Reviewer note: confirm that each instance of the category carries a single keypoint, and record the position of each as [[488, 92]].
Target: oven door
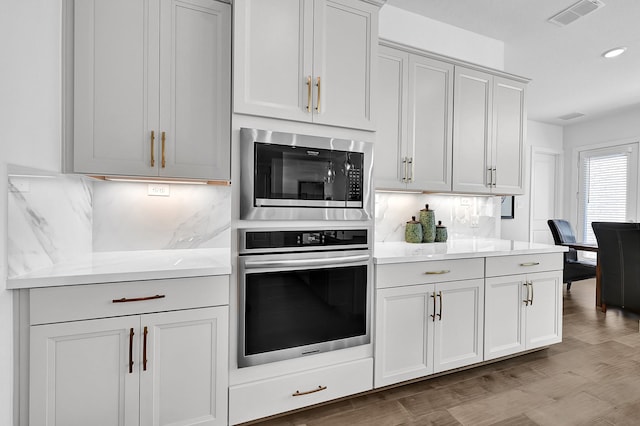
[[300, 304]]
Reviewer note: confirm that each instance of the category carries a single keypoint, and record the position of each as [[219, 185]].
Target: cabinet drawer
[[436, 271], [272, 396], [523, 264], [78, 302]]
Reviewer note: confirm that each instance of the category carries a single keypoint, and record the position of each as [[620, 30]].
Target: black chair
[[574, 269], [619, 257]]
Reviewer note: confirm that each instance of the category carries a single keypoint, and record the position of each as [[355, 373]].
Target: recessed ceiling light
[[612, 53]]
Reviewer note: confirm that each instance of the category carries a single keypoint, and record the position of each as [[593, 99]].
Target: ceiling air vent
[[575, 11]]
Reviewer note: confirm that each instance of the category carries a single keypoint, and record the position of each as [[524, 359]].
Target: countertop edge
[[57, 281]]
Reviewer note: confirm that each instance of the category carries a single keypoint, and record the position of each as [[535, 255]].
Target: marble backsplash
[[53, 218], [464, 216]]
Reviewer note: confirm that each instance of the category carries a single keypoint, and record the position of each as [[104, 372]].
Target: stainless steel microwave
[[285, 176]]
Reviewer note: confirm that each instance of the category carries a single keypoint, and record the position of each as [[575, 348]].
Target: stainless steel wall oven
[[289, 176], [302, 292]]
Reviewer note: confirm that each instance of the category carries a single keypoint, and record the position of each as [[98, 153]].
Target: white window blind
[[604, 190]]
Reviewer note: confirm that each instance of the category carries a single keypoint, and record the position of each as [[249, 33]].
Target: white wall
[[29, 130], [622, 125], [423, 33], [539, 135]]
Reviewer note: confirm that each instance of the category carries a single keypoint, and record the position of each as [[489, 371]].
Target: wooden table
[[593, 248]]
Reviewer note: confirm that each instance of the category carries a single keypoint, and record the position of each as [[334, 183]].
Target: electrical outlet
[[159, 189]]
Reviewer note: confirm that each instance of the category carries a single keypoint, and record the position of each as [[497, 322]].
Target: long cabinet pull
[[144, 349], [138, 299], [131, 333], [433, 316], [410, 169], [153, 149], [494, 176], [531, 297], [440, 313], [526, 301], [318, 389], [444, 271], [530, 264], [489, 177], [319, 91], [164, 160], [309, 96], [404, 172]]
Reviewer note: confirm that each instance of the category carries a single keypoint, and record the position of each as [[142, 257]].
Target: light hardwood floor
[[591, 378]]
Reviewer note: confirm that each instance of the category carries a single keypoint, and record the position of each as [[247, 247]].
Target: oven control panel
[[286, 240]]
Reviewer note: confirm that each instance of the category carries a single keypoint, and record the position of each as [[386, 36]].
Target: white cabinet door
[[392, 104], [509, 120], [195, 89], [404, 333], [504, 316], [415, 107], [459, 324], [184, 379], [544, 313], [522, 312], [472, 131], [430, 124], [116, 60], [80, 373], [273, 58], [310, 60], [344, 51], [152, 90]]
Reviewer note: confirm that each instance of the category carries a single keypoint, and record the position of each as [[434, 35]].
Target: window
[[607, 187]]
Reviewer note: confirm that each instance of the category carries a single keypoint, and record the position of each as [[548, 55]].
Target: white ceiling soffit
[[575, 11]]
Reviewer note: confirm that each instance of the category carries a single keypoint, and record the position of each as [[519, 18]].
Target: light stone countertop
[[102, 267], [399, 252]]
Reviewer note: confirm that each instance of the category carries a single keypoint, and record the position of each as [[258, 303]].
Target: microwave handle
[[306, 262]]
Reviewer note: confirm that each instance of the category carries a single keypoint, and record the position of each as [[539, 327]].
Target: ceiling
[[568, 73]]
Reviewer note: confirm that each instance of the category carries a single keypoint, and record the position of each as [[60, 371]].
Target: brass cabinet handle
[[144, 349], [530, 264], [153, 142], [138, 299], [318, 389], [309, 93], [444, 271], [410, 168], [433, 316], [318, 84], [164, 161], [131, 333], [404, 175], [440, 313]]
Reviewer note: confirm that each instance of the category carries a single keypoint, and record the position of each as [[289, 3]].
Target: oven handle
[[306, 262]]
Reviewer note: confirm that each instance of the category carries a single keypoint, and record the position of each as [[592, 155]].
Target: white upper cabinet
[[308, 60], [152, 88], [489, 131], [415, 110]]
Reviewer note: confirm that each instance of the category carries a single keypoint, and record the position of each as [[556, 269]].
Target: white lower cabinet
[[289, 392], [423, 329], [523, 311], [165, 368]]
